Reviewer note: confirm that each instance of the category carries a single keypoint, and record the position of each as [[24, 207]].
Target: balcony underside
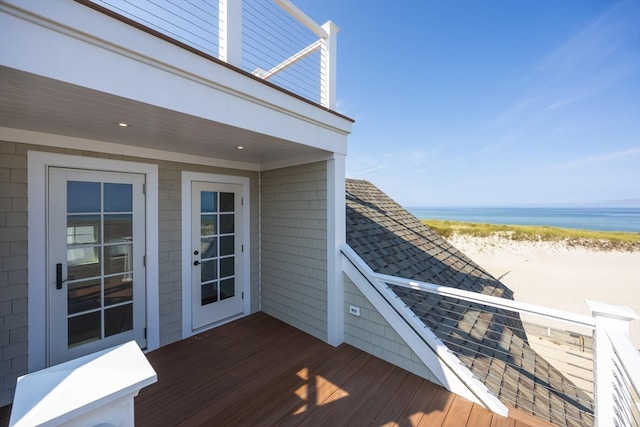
[[260, 371], [40, 104]]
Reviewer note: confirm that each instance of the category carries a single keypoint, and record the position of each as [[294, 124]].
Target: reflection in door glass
[[209, 293], [83, 263], [227, 202], [118, 319], [208, 247], [208, 201], [217, 246], [83, 229], [208, 225], [99, 248], [83, 296], [118, 228], [227, 288], [118, 258], [226, 223], [84, 328], [83, 196], [117, 198], [118, 289]]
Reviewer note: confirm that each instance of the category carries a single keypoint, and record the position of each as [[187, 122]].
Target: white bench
[[93, 390]]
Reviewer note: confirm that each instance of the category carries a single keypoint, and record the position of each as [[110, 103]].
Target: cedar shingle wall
[[294, 246], [13, 264], [13, 251], [370, 332]]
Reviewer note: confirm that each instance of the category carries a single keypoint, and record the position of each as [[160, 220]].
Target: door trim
[[37, 180], [187, 179]]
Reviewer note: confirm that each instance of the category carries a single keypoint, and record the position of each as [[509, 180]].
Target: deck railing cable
[[192, 22], [496, 346], [270, 36]]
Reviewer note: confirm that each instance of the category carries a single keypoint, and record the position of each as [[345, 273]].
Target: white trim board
[[187, 179], [37, 164]]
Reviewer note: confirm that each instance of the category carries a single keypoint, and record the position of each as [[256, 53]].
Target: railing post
[[230, 31], [608, 318], [328, 66]]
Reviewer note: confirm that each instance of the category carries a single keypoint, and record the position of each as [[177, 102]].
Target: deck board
[[259, 371]]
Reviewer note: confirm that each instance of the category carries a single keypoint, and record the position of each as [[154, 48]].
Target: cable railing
[[536, 359], [192, 22], [272, 40]]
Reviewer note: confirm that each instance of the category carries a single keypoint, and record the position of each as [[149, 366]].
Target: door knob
[[196, 262]]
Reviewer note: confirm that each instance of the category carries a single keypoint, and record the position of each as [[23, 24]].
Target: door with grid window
[[96, 274], [216, 248]]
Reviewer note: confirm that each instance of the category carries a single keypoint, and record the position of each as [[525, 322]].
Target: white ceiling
[[41, 104]]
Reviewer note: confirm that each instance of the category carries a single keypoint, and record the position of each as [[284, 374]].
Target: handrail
[[502, 303]]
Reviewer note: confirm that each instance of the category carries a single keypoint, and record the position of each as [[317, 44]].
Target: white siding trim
[[37, 164], [187, 179], [336, 236]]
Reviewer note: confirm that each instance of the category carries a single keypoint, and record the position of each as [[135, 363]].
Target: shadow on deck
[[260, 371]]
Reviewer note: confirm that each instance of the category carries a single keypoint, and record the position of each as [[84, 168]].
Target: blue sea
[[603, 219]]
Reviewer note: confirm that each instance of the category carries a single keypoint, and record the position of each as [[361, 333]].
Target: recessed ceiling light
[[240, 147], [122, 124]]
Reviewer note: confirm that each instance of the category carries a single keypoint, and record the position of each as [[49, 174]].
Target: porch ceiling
[[40, 104]]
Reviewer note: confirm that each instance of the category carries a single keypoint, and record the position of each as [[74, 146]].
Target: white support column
[[328, 66], [336, 236], [230, 31], [609, 319]]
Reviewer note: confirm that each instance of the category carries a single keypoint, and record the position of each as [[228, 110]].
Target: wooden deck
[[260, 371]]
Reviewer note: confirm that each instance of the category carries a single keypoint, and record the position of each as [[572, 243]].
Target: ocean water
[[603, 219]]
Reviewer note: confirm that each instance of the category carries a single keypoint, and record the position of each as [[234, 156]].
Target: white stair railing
[[616, 362]]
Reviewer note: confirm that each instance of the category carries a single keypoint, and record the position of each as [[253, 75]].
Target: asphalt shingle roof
[[491, 342]]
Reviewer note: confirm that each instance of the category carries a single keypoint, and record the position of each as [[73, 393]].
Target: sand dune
[[558, 275]]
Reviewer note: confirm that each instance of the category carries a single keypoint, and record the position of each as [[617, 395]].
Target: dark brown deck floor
[[260, 371]]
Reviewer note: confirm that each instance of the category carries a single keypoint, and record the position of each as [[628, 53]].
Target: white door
[[96, 273], [216, 253]]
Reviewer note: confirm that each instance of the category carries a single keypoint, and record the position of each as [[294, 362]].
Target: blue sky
[[491, 103]]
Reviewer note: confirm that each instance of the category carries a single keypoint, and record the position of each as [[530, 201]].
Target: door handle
[[196, 262], [59, 276]]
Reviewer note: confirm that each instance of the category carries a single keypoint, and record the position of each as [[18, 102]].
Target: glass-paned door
[[216, 252], [96, 270]]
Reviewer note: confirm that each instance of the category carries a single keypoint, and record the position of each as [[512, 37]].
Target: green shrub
[[603, 240]]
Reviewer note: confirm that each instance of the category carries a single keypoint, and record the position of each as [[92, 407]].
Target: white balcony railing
[[600, 365], [272, 40]]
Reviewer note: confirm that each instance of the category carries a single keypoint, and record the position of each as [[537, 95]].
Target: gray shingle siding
[[370, 332], [294, 246], [13, 262]]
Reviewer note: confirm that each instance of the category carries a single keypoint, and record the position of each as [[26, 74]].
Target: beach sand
[[559, 276]]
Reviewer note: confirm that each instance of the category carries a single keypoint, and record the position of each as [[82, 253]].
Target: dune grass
[[602, 240]]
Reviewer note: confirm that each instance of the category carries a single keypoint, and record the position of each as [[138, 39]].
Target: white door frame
[[187, 179], [37, 180]]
